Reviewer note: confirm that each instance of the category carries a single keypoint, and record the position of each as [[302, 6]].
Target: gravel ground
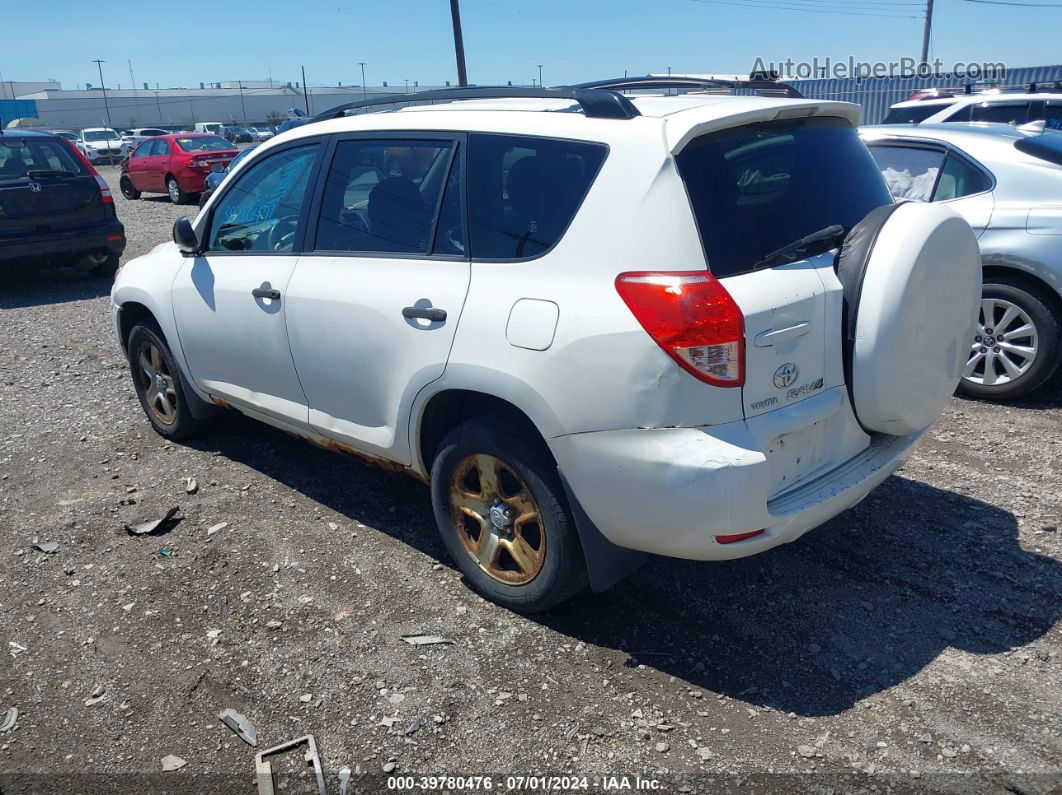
[[913, 643]]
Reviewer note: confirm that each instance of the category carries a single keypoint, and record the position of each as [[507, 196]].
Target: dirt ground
[[911, 644]]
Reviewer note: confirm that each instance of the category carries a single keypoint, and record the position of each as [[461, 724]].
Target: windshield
[[912, 114], [759, 187], [20, 159], [101, 135], [204, 143]]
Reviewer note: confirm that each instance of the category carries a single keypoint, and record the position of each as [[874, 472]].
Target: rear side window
[[759, 187], [20, 157], [910, 172], [382, 195], [912, 113], [1003, 112], [523, 192]]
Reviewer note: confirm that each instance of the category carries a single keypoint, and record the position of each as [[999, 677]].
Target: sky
[[192, 41]]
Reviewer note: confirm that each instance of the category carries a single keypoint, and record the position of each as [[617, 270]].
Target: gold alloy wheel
[[160, 391], [497, 519]]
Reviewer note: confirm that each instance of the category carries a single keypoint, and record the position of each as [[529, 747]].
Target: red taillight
[[730, 539], [693, 318], [105, 190]]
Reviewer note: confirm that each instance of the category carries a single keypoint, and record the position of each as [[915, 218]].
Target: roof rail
[[757, 82], [596, 104]]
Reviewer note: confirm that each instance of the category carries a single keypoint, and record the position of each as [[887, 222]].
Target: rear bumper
[[109, 236], [671, 491]]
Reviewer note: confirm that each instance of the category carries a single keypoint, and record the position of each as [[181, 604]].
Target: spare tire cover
[[912, 277]]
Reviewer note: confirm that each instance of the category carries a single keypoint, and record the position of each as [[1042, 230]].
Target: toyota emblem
[[785, 375]]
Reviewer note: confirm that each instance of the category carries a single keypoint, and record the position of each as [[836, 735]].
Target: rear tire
[[204, 197], [126, 186], [530, 559], [1014, 305], [158, 384], [175, 191]]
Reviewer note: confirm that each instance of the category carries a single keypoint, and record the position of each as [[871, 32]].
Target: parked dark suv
[[54, 207]]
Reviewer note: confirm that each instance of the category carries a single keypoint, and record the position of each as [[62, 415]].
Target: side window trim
[[450, 166], [298, 244], [459, 140]]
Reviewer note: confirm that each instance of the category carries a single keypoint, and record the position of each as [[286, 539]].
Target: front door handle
[[266, 292], [428, 313]]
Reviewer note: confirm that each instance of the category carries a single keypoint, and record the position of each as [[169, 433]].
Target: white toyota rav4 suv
[[599, 325]]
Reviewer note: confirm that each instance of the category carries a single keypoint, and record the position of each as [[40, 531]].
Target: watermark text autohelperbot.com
[[845, 68]]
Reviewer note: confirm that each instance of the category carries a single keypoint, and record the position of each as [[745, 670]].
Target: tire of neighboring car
[[490, 476], [1028, 305], [158, 384], [106, 269], [204, 197], [126, 186], [175, 191]]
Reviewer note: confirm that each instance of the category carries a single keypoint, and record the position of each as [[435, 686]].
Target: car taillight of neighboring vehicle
[[105, 189], [693, 318]]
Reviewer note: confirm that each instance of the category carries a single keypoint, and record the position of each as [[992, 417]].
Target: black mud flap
[[606, 562]]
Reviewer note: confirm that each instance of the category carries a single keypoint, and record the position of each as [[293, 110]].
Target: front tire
[[176, 193], [503, 516], [126, 186], [1016, 347], [158, 384], [204, 197]]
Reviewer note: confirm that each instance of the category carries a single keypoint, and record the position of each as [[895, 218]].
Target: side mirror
[[184, 236], [217, 168]]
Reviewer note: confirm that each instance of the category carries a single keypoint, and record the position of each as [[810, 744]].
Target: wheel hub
[[501, 516]]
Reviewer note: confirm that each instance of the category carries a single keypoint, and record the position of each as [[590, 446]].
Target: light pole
[[243, 107], [926, 31], [459, 44], [107, 108], [540, 83], [407, 85], [159, 106], [364, 90]]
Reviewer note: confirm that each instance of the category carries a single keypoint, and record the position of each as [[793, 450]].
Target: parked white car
[[260, 133], [137, 134], [215, 127], [1002, 180], [101, 144], [608, 330], [987, 106]]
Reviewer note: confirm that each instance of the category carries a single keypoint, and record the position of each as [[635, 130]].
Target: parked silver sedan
[[1007, 182]]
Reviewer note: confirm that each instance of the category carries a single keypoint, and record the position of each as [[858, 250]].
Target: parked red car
[[175, 164]]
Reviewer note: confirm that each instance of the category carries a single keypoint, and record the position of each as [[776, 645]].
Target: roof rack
[[596, 103], [756, 82]]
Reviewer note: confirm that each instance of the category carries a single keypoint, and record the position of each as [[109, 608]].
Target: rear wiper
[[47, 172], [827, 235]]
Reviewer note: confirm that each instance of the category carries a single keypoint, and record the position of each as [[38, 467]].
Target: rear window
[[205, 143], [523, 192], [20, 158], [759, 187], [1046, 147], [912, 114]]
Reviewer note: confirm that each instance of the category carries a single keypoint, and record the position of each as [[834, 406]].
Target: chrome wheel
[[174, 190], [497, 519], [1005, 345], [157, 383]]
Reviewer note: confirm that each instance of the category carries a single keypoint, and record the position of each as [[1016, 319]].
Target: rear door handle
[[774, 336], [264, 292], [429, 313]]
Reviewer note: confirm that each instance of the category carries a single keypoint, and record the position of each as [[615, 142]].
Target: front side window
[[382, 195], [523, 192], [910, 172], [759, 187], [262, 209]]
